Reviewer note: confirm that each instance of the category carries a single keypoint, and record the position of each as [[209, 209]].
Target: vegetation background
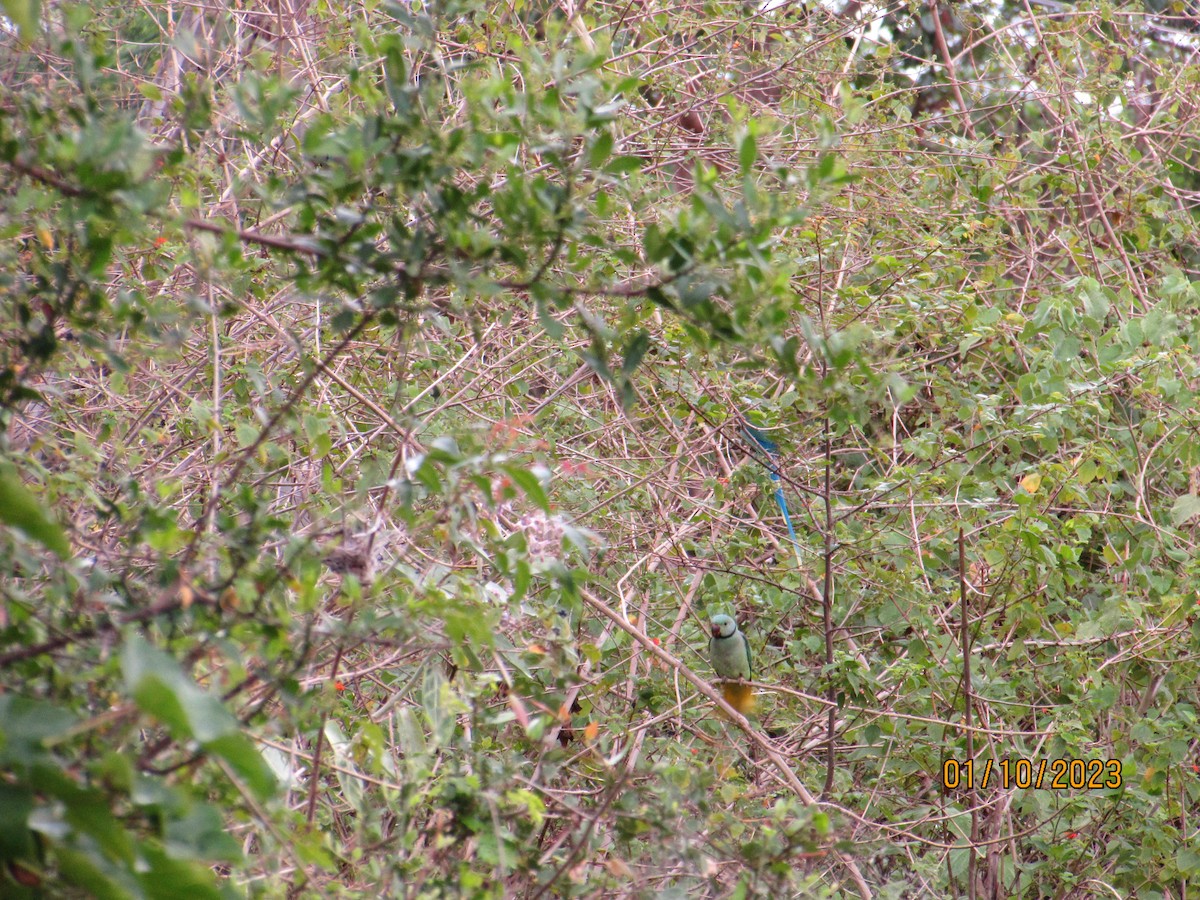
[[372, 382]]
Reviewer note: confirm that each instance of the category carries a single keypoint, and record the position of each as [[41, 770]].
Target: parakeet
[[730, 653]]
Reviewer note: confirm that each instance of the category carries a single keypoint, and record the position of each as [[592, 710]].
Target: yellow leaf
[[617, 867], [229, 600]]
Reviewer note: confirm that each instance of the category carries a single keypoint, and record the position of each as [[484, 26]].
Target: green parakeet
[[730, 653]]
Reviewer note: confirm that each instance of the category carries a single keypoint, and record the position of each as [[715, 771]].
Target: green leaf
[[438, 713], [821, 823], [624, 165], [201, 834], [24, 14], [16, 805], [529, 483], [1188, 861], [20, 509], [243, 757], [635, 350], [1184, 509], [601, 148], [162, 690], [747, 153], [83, 870], [25, 726], [169, 878], [1095, 304]]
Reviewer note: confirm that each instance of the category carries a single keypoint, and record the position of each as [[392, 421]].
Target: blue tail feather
[[770, 449]]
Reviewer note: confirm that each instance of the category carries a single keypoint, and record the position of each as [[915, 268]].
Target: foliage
[[372, 383]]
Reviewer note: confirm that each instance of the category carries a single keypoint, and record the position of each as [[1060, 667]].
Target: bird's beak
[[716, 631]]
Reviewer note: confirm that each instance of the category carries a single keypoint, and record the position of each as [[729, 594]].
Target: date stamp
[[1038, 774]]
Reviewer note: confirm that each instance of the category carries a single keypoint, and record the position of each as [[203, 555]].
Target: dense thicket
[[373, 382]]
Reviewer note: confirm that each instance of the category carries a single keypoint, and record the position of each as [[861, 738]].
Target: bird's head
[[723, 626]]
